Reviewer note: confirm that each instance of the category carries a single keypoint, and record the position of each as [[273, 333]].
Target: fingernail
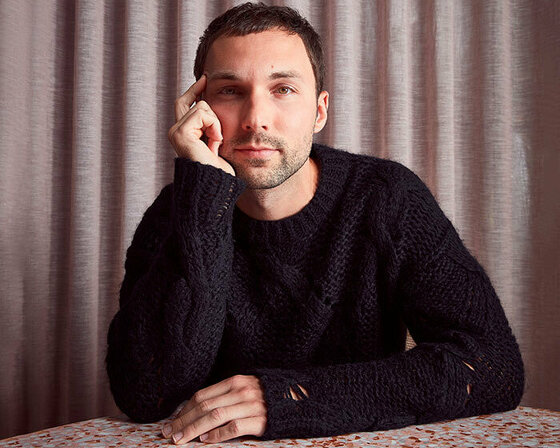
[[203, 437], [166, 431], [177, 436]]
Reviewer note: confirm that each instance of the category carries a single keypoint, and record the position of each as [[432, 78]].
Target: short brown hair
[[251, 18]]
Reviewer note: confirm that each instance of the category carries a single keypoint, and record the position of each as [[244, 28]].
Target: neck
[[284, 200]]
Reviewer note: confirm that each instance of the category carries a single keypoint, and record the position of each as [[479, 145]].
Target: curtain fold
[[465, 93]]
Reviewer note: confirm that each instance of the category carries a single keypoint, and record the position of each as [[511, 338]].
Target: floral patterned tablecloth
[[522, 427]]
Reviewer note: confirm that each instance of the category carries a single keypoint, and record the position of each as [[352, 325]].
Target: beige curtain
[[466, 93]]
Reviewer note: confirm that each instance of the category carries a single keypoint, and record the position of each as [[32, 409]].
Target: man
[[269, 287]]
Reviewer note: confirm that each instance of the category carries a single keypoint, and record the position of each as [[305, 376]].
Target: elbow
[[497, 386], [509, 393], [137, 397], [512, 384], [516, 386], [141, 409], [144, 414]]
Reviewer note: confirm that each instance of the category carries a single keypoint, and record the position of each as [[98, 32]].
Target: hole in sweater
[[469, 387], [468, 365], [298, 392]]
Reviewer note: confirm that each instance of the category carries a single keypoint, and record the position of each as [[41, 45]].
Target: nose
[[256, 113]]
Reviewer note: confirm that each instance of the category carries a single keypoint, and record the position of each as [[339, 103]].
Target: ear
[[322, 108]]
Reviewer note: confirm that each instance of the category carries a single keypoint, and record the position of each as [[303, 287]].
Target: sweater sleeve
[[466, 361], [164, 339]]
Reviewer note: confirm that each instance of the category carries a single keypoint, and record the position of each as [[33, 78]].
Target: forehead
[[259, 53]]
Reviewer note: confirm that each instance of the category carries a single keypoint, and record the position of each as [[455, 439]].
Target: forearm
[[163, 341], [394, 392], [428, 383], [165, 337], [466, 363]]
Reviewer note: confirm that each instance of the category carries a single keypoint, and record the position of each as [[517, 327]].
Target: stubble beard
[[255, 172]]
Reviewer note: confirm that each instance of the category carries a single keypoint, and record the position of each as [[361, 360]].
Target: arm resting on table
[[466, 361], [164, 339]]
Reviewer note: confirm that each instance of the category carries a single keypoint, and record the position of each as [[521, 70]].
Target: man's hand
[[194, 122], [223, 411]]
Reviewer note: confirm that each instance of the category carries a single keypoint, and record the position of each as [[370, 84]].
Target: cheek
[[294, 119], [299, 120]]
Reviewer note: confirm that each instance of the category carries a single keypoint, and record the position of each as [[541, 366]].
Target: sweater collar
[[333, 171]]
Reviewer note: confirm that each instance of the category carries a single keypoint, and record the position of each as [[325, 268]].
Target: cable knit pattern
[[321, 299]]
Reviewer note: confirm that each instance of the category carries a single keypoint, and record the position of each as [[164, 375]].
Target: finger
[[186, 100], [215, 390], [214, 146], [193, 110], [192, 127], [185, 117], [201, 107], [201, 104], [218, 417], [220, 401], [254, 426], [214, 134], [214, 131], [178, 410]]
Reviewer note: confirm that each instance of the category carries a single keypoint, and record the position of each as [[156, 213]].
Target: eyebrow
[[223, 75], [231, 76], [286, 74]]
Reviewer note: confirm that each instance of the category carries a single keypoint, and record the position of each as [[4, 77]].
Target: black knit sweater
[[321, 299]]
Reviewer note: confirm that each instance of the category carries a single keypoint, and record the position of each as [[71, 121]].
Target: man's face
[[262, 88]]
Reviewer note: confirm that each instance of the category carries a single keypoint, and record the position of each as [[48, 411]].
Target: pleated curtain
[[465, 93]]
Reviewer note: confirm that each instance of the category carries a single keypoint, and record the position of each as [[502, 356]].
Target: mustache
[[258, 138]]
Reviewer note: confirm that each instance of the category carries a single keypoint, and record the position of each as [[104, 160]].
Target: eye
[[284, 90], [227, 91]]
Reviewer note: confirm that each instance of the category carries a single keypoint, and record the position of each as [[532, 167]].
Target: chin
[[257, 183], [258, 176]]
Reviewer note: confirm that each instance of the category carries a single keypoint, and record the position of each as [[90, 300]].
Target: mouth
[[256, 151]]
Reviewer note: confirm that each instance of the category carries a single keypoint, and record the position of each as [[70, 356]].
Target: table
[[522, 427]]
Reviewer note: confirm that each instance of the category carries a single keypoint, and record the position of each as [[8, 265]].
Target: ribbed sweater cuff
[[203, 196], [286, 417]]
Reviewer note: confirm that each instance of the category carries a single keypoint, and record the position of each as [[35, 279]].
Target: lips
[[255, 148], [254, 151]]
